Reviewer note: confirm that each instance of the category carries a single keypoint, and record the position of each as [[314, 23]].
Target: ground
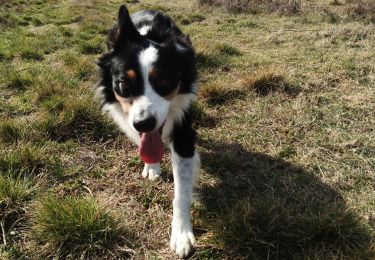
[[285, 119]]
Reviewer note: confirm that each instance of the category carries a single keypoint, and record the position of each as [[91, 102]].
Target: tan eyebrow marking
[[131, 74], [153, 72]]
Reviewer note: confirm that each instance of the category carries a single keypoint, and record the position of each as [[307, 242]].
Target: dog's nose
[[145, 125]]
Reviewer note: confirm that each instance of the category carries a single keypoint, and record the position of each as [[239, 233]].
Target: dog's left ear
[[186, 63], [124, 31], [184, 49]]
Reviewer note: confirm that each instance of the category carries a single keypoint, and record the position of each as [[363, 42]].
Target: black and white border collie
[[148, 83]]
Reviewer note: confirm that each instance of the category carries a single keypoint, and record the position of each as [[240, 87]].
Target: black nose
[[145, 125]]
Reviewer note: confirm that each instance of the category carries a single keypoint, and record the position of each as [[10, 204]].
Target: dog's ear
[[124, 31], [186, 63]]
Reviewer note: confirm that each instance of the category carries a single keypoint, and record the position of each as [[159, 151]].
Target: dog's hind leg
[[151, 171]]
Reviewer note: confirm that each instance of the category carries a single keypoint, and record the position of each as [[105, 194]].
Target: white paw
[[182, 240], [152, 171]]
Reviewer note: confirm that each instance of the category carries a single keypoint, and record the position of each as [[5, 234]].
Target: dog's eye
[[162, 83], [123, 88], [123, 85]]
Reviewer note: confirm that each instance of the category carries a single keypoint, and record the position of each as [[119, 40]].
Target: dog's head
[[146, 75]]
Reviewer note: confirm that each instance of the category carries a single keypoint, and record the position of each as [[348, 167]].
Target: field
[[285, 118]]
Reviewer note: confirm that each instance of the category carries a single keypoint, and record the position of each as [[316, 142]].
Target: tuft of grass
[[267, 81], [76, 227], [32, 55], [226, 49], [258, 230], [186, 19], [215, 94], [10, 131], [80, 118], [13, 191]]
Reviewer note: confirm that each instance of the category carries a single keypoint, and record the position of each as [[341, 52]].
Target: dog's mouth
[[151, 147]]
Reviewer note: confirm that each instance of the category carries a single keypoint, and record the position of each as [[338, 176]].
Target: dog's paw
[[182, 241], [151, 171]]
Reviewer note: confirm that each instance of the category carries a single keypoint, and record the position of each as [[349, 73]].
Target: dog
[[148, 84]]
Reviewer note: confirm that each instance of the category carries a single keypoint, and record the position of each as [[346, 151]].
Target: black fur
[[183, 136]]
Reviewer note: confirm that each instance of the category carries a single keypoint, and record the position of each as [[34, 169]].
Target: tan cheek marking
[[174, 93], [131, 74], [125, 103]]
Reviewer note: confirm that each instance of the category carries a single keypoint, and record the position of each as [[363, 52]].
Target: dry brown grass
[[256, 6], [285, 120], [361, 9]]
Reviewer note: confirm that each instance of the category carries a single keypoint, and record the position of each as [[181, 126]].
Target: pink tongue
[[151, 148]]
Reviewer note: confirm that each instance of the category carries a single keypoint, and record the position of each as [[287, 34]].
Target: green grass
[[9, 131], [75, 227], [14, 190], [285, 117]]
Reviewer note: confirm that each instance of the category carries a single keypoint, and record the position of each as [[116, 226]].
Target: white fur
[[144, 30], [184, 170], [141, 16], [117, 113], [178, 105], [152, 171]]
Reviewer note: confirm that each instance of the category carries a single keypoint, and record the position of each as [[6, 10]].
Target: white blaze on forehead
[[144, 30], [147, 58]]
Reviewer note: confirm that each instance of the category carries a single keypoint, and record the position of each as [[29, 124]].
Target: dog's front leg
[[184, 168]]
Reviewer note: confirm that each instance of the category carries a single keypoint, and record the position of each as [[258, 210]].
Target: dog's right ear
[[124, 31]]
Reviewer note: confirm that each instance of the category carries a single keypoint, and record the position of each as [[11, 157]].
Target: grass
[[15, 192], [284, 118], [75, 227]]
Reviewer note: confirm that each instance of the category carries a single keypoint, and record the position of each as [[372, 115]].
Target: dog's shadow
[[258, 207]]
